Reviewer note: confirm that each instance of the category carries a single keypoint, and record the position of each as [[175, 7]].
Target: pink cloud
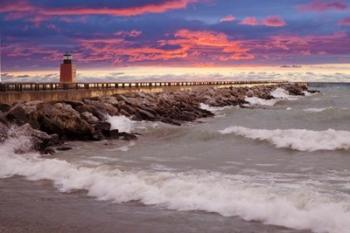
[[130, 11], [23, 9], [270, 21], [228, 18], [16, 6], [344, 22], [132, 33], [274, 21], [323, 5], [186, 46], [251, 21], [295, 45]]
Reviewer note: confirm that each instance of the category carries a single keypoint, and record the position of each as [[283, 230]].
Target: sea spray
[[278, 95], [259, 101], [282, 94], [297, 139], [211, 108], [122, 123]]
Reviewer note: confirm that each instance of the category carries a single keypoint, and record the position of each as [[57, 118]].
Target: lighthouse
[[68, 70]]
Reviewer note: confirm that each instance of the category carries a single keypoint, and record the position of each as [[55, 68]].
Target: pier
[[18, 92]]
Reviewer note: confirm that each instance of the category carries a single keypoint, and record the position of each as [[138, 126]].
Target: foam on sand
[[297, 139], [301, 207]]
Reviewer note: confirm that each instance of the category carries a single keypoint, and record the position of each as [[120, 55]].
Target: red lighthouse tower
[[68, 70]]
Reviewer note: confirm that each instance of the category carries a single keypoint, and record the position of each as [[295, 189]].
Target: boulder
[[103, 128], [17, 115], [64, 148], [93, 110], [23, 113], [105, 108], [127, 136], [89, 117], [3, 132], [4, 107], [39, 140], [62, 119], [113, 134], [148, 115]]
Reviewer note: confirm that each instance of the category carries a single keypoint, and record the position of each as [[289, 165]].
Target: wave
[[259, 101], [278, 95], [297, 139], [324, 109], [282, 94], [241, 195], [317, 109], [122, 123], [211, 108]]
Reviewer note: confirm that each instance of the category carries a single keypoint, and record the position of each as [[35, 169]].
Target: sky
[[119, 34]]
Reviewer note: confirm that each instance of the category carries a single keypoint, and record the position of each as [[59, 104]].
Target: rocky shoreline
[[49, 124]]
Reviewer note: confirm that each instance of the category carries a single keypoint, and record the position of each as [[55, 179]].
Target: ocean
[[274, 166]]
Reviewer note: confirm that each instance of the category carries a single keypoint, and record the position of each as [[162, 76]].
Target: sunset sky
[[105, 34]]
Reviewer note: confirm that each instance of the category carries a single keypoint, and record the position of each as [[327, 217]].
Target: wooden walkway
[[11, 93], [21, 87]]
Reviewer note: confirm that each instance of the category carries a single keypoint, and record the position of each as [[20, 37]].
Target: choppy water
[[283, 164]]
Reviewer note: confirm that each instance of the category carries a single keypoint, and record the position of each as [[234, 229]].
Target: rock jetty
[[51, 123]]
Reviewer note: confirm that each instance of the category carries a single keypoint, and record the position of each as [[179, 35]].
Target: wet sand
[[38, 207]]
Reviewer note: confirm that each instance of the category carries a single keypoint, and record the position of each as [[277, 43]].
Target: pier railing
[[20, 87]]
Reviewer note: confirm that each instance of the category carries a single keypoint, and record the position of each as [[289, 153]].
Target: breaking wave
[[278, 95], [211, 108], [297, 139], [305, 207], [283, 94], [259, 101], [317, 109], [122, 123]]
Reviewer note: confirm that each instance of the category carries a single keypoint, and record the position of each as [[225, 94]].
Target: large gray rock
[[3, 132], [17, 115], [39, 141], [62, 119]]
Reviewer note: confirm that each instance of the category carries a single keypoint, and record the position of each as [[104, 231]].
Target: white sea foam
[[258, 101], [323, 109], [306, 93], [299, 206], [317, 109], [278, 94], [297, 139], [126, 147], [211, 108], [282, 94], [122, 123]]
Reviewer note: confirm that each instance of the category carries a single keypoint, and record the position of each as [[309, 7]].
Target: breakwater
[[50, 122], [20, 92]]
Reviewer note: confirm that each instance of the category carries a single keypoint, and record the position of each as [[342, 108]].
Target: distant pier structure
[[68, 70], [68, 89]]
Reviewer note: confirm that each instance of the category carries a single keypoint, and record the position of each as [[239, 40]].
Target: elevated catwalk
[[18, 92]]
